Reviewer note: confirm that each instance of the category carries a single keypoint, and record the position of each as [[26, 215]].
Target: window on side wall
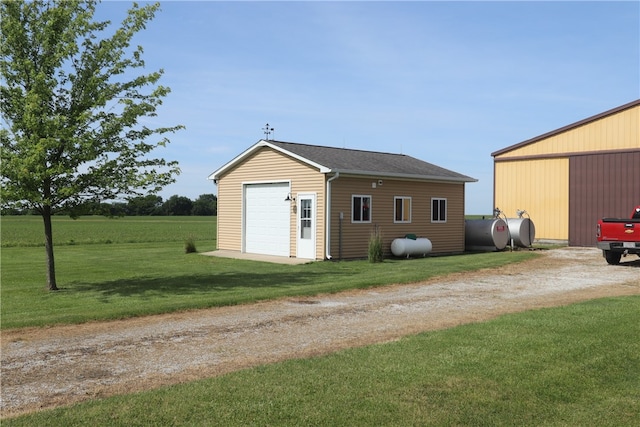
[[438, 210], [402, 209], [360, 208]]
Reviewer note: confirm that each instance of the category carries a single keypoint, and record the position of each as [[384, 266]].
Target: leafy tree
[[177, 205], [70, 102], [205, 205], [145, 205]]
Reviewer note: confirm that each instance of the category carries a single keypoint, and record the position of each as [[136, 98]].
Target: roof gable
[[567, 128], [353, 162]]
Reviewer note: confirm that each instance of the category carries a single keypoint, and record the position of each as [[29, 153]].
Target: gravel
[[48, 367]]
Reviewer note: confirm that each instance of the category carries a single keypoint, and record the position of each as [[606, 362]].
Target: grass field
[[572, 366], [27, 231], [575, 365], [144, 270]]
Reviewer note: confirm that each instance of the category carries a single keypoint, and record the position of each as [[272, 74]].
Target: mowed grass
[[28, 231], [577, 365], [152, 274]]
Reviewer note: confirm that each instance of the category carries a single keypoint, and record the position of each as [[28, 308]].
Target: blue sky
[[445, 82]]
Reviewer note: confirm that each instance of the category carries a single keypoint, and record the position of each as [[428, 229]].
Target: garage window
[[402, 209], [438, 210], [360, 208]]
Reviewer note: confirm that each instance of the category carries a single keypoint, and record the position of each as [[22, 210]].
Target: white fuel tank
[[407, 247], [523, 231]]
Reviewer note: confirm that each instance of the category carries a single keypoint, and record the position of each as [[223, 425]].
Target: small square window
[[438, 210], [402, 209], [360, 208]]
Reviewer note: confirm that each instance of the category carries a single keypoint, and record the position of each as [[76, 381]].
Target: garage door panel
[[267, 219]]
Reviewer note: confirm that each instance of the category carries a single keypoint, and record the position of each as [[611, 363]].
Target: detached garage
[[313, 202], [568, 178]]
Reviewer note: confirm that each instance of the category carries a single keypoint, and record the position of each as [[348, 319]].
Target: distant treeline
[[204, 205]]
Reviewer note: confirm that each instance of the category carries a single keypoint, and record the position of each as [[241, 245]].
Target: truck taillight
[[598, 230]]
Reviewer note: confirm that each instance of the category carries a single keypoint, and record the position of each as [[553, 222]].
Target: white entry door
[[306, 227]]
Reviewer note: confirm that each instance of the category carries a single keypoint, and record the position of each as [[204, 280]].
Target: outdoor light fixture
[[289, 198]]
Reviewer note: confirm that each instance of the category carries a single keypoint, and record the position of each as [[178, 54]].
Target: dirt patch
[[48, 367]]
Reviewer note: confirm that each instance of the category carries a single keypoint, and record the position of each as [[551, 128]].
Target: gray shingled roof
[[362, 162]]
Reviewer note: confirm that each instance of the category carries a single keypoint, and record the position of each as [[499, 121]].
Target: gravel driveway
[[48, 367]]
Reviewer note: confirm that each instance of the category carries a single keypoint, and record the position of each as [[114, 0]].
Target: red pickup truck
[[618, 237]]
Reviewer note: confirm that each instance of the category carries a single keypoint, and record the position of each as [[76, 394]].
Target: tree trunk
[[48, 245]]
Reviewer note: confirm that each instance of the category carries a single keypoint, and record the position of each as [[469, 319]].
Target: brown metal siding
[[601, 185]]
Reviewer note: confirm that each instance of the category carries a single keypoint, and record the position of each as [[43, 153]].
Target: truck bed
[[624, 220]]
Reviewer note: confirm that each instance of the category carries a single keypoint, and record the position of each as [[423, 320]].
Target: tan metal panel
[[619, 131], [541, 187]]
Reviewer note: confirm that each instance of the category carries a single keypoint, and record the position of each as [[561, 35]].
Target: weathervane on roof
[[267, 131]]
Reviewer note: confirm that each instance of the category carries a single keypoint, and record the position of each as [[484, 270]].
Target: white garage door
[[267, 219]]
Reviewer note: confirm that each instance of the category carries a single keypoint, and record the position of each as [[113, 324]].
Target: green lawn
[[571, 366], [575, 365], [121, 280], [144, 270], [26, 231]]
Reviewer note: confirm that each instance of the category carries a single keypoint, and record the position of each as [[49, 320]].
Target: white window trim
[[395, 200], [353, 221], [446, 210]]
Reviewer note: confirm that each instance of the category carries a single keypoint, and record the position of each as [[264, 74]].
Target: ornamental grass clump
[[190, 245], [376, 251]]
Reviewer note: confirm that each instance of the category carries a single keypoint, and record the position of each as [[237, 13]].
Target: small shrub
[[190, 246], [376, 251]]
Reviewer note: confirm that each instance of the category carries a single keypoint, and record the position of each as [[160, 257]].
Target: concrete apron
[[258, 257]]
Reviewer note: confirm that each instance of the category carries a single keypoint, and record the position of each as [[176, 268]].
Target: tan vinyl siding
[[541, 187], [620, 131], [445, 237], [267, 165], [229, 216]]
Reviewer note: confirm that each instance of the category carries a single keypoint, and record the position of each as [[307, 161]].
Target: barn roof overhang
[[567, 128]]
